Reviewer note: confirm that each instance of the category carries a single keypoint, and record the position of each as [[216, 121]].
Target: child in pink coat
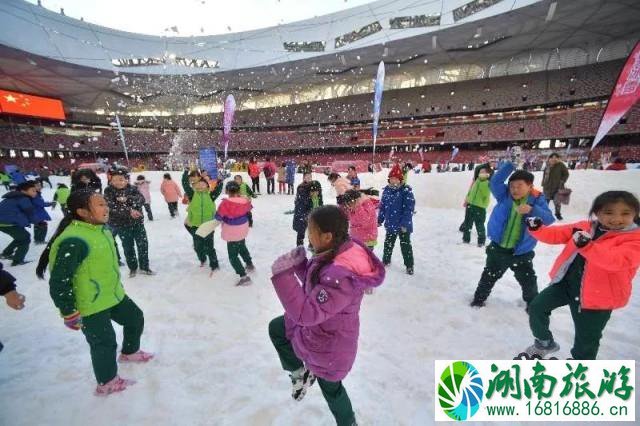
[[362, 211], [233, 214], [171, 193], [142, 184]]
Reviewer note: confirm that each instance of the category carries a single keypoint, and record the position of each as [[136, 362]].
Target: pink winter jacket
[[143, 187], [342, 185], [363, 220], [171, 191], [233, 213]]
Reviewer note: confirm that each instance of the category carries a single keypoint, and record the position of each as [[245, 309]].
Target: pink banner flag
[[227, 121], [625, 94]]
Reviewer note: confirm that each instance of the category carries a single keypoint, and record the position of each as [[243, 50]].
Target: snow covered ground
[[215, 364]]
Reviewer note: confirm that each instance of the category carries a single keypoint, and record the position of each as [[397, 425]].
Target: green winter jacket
[[84, 270], [62, 195], [316, 201], [202, 207], [513, 229], [245, 191], [479, 194]]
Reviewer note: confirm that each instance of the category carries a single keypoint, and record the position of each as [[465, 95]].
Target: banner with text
[[625, 94]]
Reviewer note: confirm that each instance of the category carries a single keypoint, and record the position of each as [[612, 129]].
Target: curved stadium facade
[[474, 73]]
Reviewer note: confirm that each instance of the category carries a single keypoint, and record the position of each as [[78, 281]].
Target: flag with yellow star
[[30, 105]]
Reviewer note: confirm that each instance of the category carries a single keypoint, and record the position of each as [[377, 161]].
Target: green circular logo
[[460, 390]]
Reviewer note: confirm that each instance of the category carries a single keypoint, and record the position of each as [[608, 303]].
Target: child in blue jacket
[[16, 213], [40, 216], [290, 172], [396, 212], [511, 244]]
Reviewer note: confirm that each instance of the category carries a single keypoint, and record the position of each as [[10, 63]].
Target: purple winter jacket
[[322, 320]]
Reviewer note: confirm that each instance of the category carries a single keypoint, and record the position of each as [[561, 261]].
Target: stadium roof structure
[[101, 70]]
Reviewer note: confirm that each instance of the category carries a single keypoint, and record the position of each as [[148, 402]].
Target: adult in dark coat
[[86, 179], [555, 176], [126, 221], [302, 208], [306, 167], [44, 174]]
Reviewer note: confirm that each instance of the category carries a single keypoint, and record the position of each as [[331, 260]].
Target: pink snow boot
[[117, 384], [140, 356]]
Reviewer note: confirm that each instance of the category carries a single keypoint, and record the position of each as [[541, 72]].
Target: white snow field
[[215, 364]]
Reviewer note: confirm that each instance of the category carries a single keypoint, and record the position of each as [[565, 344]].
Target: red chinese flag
[[32, 106], [625, 94]]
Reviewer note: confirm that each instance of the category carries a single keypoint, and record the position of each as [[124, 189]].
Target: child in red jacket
[[592, 275]]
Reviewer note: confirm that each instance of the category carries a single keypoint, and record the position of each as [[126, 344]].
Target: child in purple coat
[[318, 334]]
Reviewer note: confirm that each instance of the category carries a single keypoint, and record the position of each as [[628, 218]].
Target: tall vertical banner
[[227, 121], [377, 102], [209, 162], [625, 94], [124, 143]]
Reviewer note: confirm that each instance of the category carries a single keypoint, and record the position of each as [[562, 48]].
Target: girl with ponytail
[[317, 337], [593, 274], [85, 286]]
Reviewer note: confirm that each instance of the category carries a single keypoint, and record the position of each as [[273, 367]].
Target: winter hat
[[396, 173], [140, 177]]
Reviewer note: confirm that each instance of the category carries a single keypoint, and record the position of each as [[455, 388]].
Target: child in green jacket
[[61, 196], [5, 180], [246, 192], [85, 286], [201, 209], [476, 204]]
